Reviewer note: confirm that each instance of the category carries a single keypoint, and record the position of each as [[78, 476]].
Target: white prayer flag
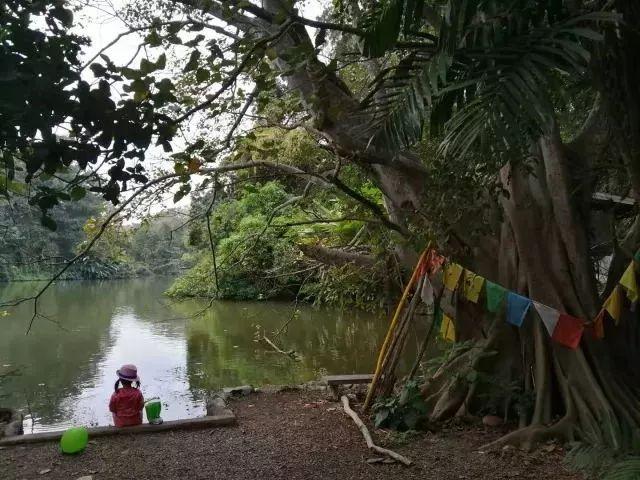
[[548, 315], [426, 294]]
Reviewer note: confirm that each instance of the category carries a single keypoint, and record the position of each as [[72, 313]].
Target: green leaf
[[146, 66], [382, 26], [192, 64], [184, 190], [77, 193], [161, 62], [130, 73], [626, 470], [202, 74], [153, 39], [48, 222], [381, 417]]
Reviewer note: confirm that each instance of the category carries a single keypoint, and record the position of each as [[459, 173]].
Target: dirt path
[[281, 436]]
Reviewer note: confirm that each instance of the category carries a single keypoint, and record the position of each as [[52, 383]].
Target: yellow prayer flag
[[447, 328], [452, 274], [472, 286], [613, 305], [628, 281]]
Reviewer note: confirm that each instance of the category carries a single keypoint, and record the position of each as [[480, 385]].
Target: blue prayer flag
[[517, 308]]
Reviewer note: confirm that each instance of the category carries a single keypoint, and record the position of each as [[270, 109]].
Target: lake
[[63, 372]]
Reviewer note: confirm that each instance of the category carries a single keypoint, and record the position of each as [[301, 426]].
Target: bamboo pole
[[392, 326], [423, 347], [390, 362]]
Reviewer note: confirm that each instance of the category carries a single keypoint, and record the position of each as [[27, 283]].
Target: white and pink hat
[[129, 373]]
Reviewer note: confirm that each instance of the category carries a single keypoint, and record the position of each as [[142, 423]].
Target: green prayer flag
[[437, 319], [495, 296], [636, 257]]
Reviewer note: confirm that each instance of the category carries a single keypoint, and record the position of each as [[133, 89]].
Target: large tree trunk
[[543, 253]]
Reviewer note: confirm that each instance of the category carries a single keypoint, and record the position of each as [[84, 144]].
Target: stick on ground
[[367, 436]]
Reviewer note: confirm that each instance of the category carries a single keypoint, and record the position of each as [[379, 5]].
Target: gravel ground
[[294, 435]]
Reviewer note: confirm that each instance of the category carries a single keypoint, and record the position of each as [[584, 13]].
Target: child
[[126, 403]]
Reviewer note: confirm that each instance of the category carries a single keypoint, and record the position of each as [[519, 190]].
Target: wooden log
[[367, 436], [224, 419]]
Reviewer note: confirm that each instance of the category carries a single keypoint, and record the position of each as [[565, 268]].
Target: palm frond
[[488, 75], [384, 23], [590, 460], [625, 470]]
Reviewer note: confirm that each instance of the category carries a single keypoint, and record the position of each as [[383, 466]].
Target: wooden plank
[[225, 419], [348, 379]]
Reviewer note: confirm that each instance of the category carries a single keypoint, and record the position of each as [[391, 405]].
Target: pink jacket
[[126, 405]]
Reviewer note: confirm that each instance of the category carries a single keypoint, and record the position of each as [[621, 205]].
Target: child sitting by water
[[126, 403]]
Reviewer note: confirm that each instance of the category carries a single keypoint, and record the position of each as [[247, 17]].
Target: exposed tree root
[[529, 437], [367, 436]]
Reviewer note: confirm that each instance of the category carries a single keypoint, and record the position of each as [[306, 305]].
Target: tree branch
[[333, 256], [327, 220], [211, 244], [261, 44]]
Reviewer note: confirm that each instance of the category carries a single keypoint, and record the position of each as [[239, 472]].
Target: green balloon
[[74, 440]]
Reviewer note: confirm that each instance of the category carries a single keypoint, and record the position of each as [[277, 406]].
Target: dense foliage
[[30, 251], [321, 165], [259, 228]]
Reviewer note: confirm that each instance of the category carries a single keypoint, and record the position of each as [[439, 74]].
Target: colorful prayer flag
[[433, 262], [448, 329], [613, 305], [472, 286], [449, 302], [598, 325], [452, 274], [628, 281], [517, 308], [436, 283], [495, 296], [426, 292], [437, 317], [548, 315], [568, 331]]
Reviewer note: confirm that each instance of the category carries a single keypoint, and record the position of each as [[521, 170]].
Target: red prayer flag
[[568, 331], [434, 263]]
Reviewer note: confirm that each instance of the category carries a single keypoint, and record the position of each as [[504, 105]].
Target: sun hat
[[129, 373]]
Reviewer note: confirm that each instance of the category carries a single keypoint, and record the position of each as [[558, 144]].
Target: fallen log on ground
[[367, 436]]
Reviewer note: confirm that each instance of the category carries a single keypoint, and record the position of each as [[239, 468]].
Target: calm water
[[64, 374]]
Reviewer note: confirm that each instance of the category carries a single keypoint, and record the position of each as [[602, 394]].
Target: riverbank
[[287, 435]]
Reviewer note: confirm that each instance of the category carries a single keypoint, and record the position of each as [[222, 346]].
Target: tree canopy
[[485, 127]]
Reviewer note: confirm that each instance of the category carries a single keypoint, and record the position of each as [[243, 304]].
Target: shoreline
[[292, 435]]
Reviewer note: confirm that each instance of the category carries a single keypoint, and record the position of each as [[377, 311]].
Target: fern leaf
[[626, 470]]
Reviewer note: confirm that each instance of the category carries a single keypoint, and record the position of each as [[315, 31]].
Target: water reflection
[[66, 372]]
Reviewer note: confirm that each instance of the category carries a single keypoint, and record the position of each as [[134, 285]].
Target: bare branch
[[327, 220], [211, 244], [333, 256]]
